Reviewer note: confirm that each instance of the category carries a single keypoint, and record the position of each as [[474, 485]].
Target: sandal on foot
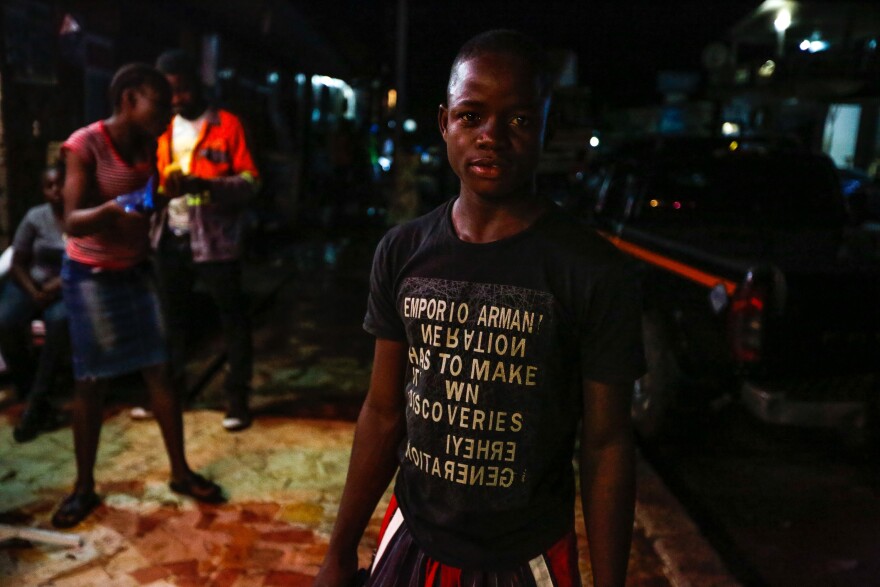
[[199, 488], [75, 508]]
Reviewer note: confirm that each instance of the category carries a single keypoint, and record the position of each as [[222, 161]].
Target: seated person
[[34, 291]]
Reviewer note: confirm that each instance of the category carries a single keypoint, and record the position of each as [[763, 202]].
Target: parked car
[[751, 280]]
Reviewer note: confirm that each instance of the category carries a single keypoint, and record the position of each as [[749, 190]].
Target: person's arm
[[81, 216], [608, 485], [380, 429], [52, 288], [19, 270], [22, 258]]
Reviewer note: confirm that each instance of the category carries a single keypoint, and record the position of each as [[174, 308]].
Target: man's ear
[[443, 120]]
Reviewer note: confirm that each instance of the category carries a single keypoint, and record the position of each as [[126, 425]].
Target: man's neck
[[195, 114], [477, 220]]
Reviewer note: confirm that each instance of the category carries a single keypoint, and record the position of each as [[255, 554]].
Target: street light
[[781, 24]]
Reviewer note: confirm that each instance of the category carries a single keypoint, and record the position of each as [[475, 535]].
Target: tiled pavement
[[284, 476]]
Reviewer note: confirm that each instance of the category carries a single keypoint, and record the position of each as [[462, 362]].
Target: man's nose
[[492, 134]]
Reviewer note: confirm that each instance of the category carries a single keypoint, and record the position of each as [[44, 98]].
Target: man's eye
[[519, 121], [469, 117]]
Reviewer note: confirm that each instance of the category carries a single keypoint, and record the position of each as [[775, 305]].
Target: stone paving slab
[[284, 477]]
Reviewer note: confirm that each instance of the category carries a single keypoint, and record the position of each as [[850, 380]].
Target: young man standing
[[500, 324], [205, 167]]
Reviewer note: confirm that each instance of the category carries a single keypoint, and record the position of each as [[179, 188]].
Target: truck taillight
[[746, 321]]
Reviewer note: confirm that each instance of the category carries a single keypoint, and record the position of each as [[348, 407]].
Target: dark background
[[621, 45]]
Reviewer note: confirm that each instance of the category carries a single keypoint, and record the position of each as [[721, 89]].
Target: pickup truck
[[755, 281]]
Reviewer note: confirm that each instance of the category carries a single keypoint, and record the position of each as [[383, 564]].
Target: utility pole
[[400, 64]]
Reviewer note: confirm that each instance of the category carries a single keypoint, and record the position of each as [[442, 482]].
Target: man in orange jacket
[[205, 167]]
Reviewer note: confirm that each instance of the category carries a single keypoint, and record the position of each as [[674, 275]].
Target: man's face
[[493, 125], [184, 95]]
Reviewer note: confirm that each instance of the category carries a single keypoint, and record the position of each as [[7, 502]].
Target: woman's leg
[[88, 415], [87, 419], [167, 409], [166, 405]]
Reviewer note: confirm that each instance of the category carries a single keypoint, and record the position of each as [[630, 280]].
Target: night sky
[[621, 45]]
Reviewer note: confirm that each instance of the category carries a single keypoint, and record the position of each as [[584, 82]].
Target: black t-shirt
[[501, 336]]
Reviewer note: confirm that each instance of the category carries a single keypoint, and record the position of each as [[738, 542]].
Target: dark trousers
[[178, 275], [17, 309]]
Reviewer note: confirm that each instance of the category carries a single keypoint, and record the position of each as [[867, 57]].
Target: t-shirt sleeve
[[382, 319], [611, 333], [25, 234], [80, 142]]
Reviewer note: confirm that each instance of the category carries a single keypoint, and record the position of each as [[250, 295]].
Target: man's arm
[[380, 428], [608, 480]]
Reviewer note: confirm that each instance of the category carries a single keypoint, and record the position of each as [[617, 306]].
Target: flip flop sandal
[[199, 488], [74, 509]]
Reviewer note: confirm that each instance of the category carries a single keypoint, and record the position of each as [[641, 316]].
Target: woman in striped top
[[116, 325]]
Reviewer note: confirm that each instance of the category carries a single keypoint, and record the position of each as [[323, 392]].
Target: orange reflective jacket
[[220, 155]]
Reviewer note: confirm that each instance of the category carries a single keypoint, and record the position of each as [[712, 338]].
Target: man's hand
[[336, 573], [177, 184]]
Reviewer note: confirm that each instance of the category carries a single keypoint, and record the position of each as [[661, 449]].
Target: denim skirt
[[116, 324]]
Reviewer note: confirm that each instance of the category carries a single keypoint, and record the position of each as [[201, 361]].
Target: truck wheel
[[656, 393]]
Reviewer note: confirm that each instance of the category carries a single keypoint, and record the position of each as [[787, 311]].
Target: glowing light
[[783, 20], [392, 99], [676, 205], [338, 84], [733, 146], [409, 125], [594, 142], [729, 128], [273, 77], [385, 163], [426, 158], [818, 46], [300, 78], [767, 69], [654, 203], [805, 45]]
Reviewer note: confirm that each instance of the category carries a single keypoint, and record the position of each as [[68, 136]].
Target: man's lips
[[487, 168]]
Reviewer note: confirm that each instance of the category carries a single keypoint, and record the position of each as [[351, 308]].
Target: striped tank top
[[111, 176]]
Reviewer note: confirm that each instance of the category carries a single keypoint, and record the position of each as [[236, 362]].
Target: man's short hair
[[135, 75], [176, 62], [508, 42]]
